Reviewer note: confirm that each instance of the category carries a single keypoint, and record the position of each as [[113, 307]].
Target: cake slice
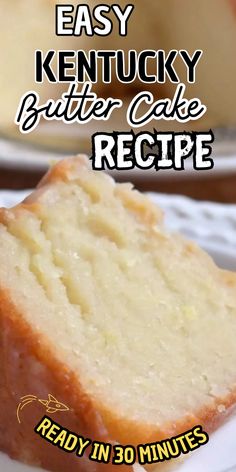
[[131, 328]]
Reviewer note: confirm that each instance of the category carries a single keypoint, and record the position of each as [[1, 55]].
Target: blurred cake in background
[[210, 25], [27, 25]]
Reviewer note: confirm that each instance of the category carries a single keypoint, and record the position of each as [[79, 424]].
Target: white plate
[[213, 226]]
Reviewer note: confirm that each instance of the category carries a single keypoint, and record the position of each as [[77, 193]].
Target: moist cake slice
[[131, 328]]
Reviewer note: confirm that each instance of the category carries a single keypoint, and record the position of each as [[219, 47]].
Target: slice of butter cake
[[130, 329]]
